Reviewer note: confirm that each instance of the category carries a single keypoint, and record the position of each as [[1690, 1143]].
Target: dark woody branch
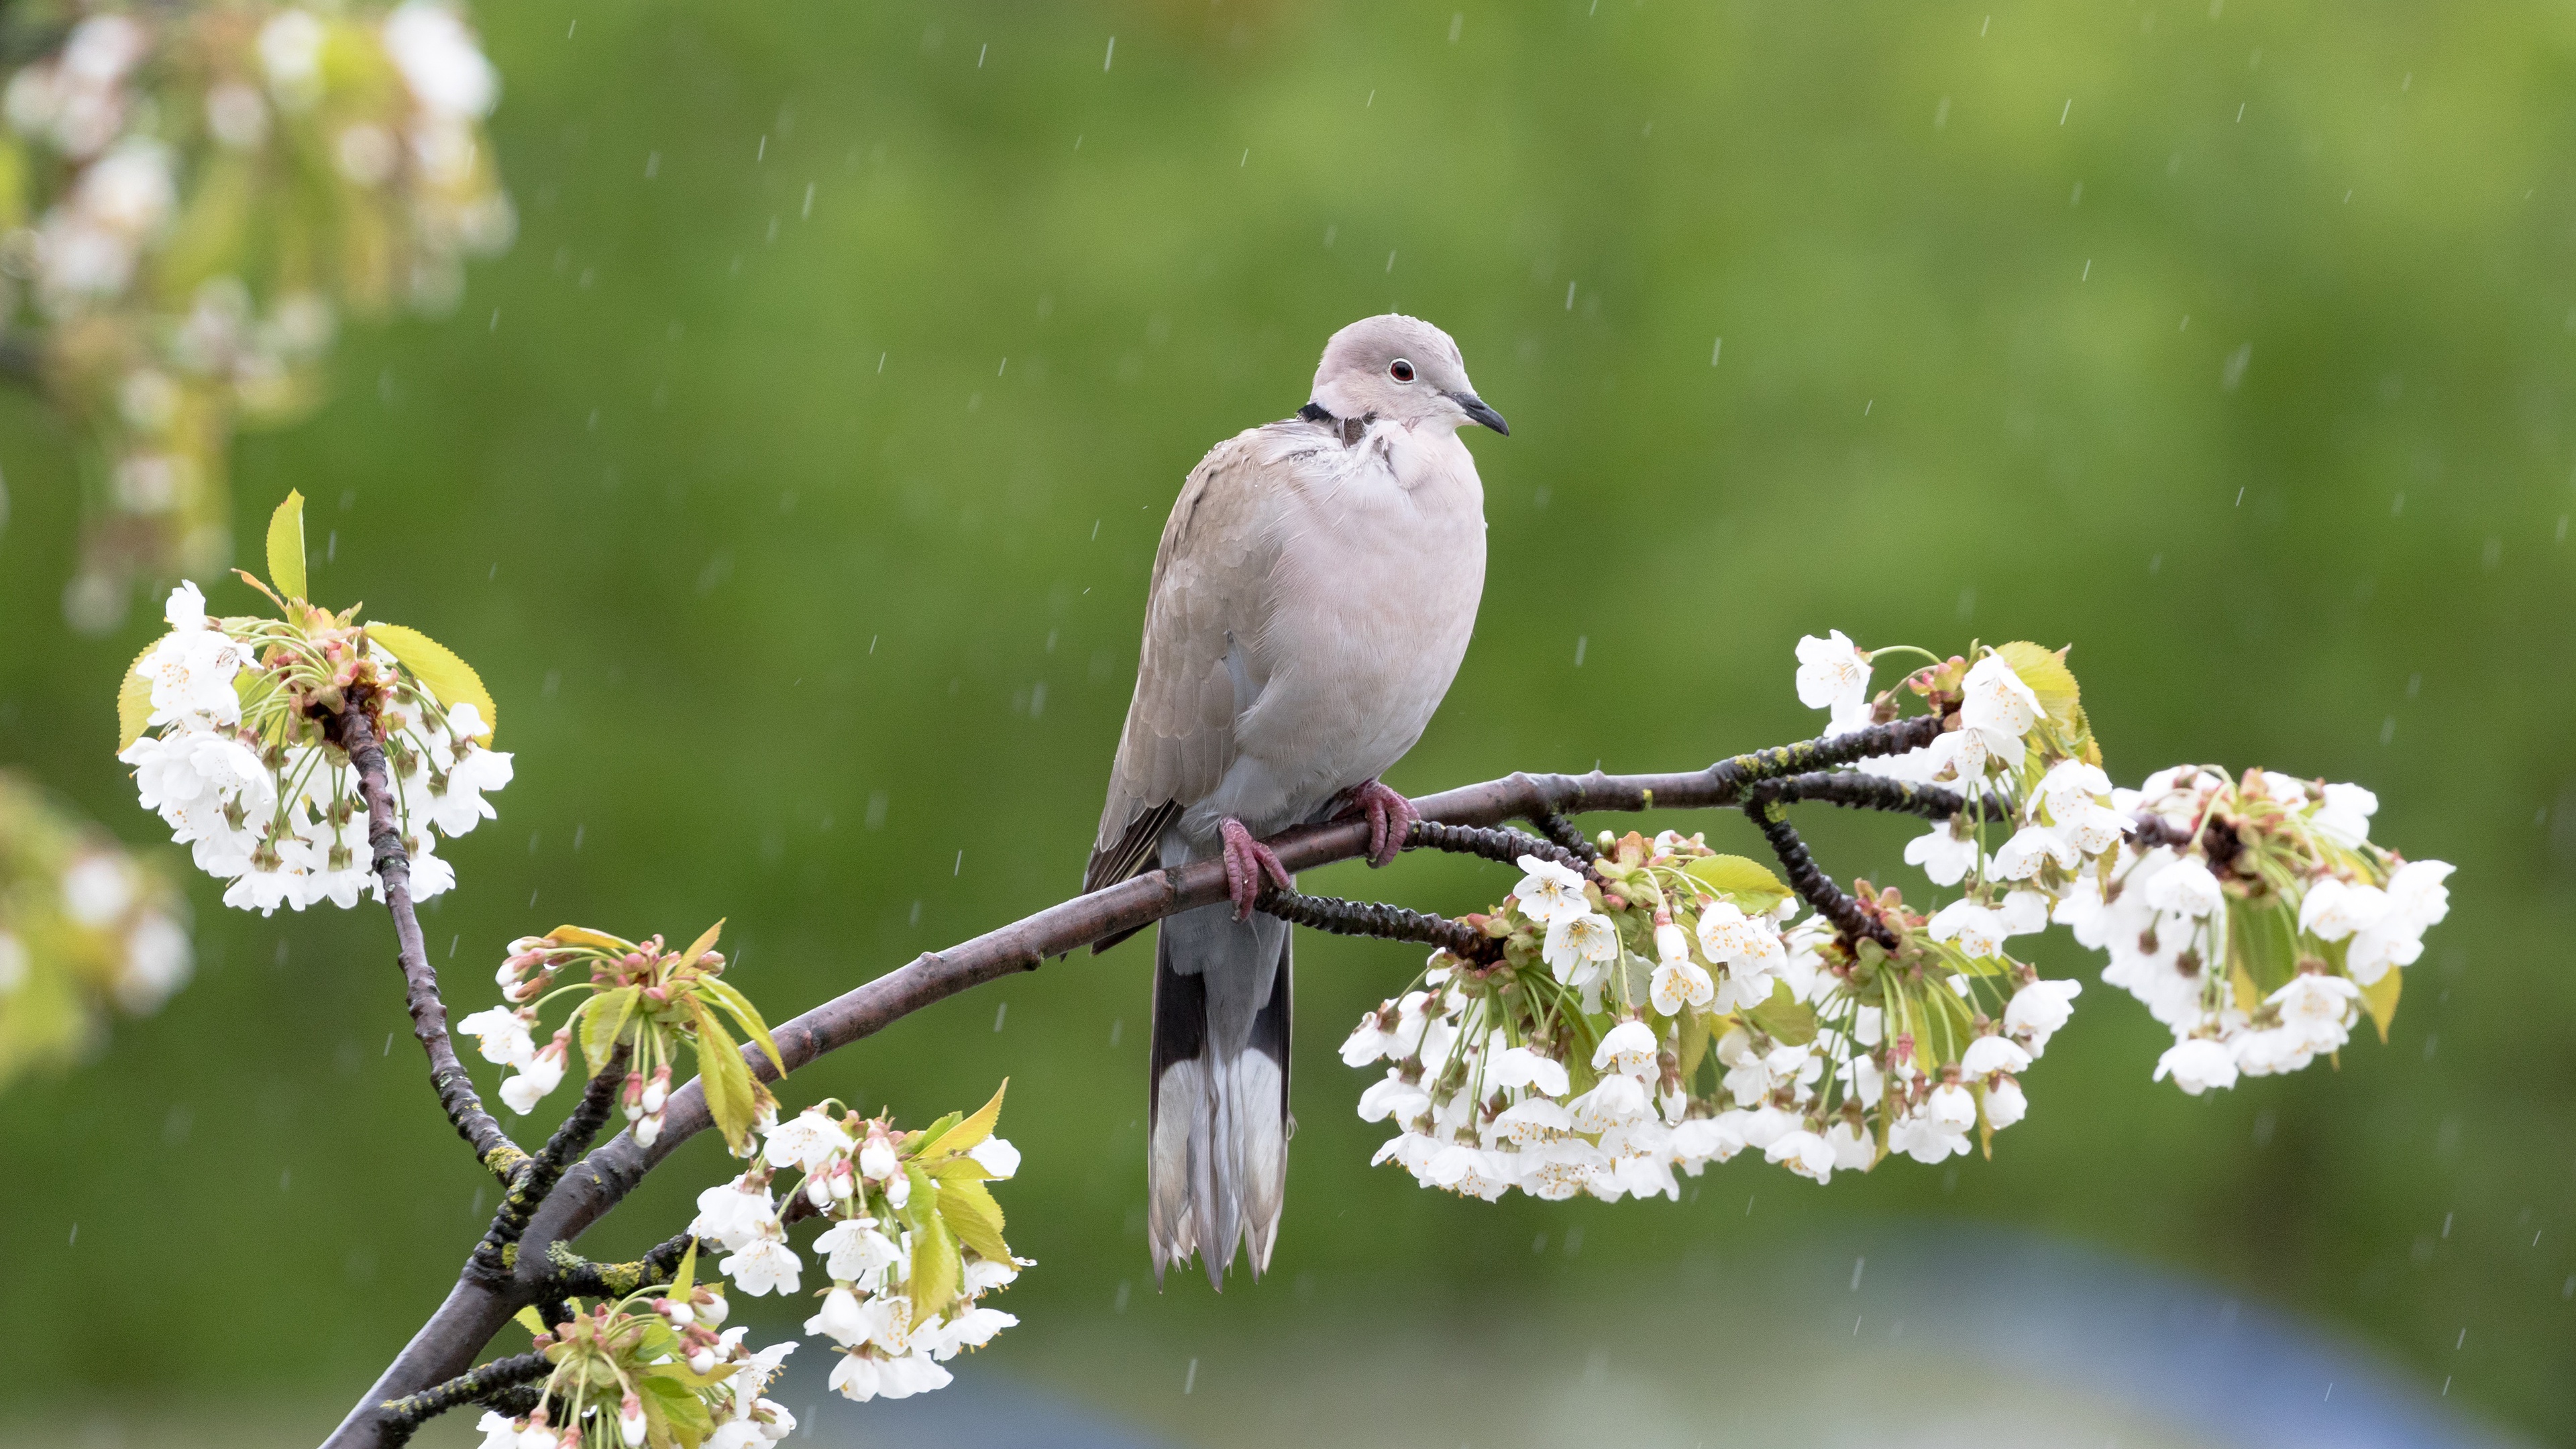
[[476, 1307], [354, 732], [537, 1176], [481, 1385]]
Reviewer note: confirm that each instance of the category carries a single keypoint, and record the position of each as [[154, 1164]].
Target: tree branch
[[1338, 917], [475, 1310], [355, 733], [408, 1413], [536, 1177], [1770, 816]]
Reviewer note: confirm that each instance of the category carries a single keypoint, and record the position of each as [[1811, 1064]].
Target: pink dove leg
[[1246, 861], [1391, 819]]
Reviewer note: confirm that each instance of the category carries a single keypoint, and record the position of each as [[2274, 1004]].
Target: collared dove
[[1312, 597]]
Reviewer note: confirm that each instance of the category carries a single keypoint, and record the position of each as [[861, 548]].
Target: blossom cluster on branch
[[232, 725], [655, 1367], [190, 195], [638, 998], [84, 924], [915, 1237], [1663, 1007]]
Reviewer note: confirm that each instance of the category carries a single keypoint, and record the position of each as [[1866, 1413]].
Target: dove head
[[1402, 369]]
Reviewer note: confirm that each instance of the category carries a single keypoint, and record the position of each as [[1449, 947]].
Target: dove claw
[[1247, 861], [1391, 819]]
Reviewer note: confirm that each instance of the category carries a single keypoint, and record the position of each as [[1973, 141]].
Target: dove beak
[[1474, 407]]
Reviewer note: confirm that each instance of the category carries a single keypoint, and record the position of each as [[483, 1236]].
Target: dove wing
[[1204, 616]]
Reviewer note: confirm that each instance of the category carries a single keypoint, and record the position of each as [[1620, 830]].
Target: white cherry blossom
[[1549, 891]]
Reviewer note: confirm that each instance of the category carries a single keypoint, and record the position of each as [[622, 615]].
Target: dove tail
[[1217, 1141]]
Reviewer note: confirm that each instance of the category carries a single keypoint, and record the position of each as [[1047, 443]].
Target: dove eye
[[1400, 370]]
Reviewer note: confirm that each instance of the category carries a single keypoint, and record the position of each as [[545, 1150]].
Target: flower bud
[[818, 1189], [711, 1307], [633, 1094], [673, 1309], [630, 1420], [876, 1160], [657, 1091], [649, 1130]]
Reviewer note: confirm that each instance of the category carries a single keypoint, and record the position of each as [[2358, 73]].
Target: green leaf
[[450, 679], [1693, 1043], [585, 936], [1748, 884], [730, 1098], [134, 700], [706, 941], [2045, 671], [286, 546], [970, 1212], [529, 1320], [603, 1020], [936, 1269], [687, 1277], [972, 1130], [1790, 1022], [2263, 941], [2379, 998], [676, 1399], [929, 1136], [744, 1013]]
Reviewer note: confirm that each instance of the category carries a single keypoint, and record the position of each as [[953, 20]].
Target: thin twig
[[474, 1310], [1338, 917], [355, 733], [1813, 886], [1494, 843], [538, 1175], [408, 1413]]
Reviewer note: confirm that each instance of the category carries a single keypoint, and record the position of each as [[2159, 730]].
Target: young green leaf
[[603, 1021], [967, 1206], [936, 1269], [134, 700], [528, 1319], [1790, 1022], [1747, 883], [585, 936], [706, 942], [436, 666], [972, 1130], [744, 1013], [687, 1277], [286, 546], [2379, 998], [730, 1098]]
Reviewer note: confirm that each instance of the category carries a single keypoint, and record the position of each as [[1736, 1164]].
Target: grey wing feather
[[1211, 580]]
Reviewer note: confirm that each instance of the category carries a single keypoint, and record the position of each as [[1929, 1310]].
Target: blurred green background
[[795, 479]]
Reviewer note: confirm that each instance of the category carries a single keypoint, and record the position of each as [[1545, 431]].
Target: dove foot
[[1246, 861], [1390, 816]]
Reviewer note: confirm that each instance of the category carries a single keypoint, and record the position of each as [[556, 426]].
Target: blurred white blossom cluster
[[2266, 935], [222, 722], [914, 1238], [190, 196], [657, 1366], [1660, 1010], [84, 924]]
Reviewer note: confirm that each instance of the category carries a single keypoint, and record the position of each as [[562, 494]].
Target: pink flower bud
[[630, 1420]]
